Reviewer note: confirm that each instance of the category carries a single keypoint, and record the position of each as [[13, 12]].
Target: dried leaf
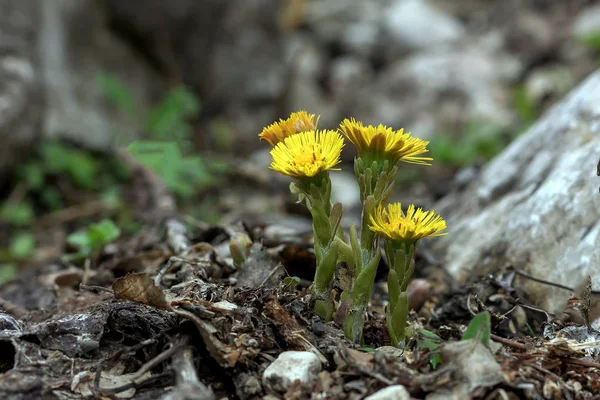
[[140, 288], [293, 333]]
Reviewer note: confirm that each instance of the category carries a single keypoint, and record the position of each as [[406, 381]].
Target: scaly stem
[[375, 183], [326, 227], [402, 265]]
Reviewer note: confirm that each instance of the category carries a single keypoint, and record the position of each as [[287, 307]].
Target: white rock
[[536, 206], [444, 86], [416, 24], [587, 22], [289, 367], [395, 392]]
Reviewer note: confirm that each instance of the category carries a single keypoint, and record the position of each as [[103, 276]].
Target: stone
[[472, 365], [21, 96], [549, 82], [394, 392], [354, 24], [535, 206], [587, 22], [417, 25], [532, 35], [76, 48], [289, 367], [442, 87]]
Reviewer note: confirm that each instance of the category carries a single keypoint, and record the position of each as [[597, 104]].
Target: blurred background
[[183, 87]]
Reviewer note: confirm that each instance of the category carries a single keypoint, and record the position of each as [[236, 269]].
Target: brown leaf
[[140, 288], [293, 333]]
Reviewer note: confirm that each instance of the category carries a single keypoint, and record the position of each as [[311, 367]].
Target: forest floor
[[157, 309]]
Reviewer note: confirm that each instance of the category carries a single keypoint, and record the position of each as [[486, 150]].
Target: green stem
[[326, 227]]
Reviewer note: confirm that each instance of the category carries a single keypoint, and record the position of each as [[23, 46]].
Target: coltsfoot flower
[[307, 154], [382, 142], [297, 122], [416, 224]]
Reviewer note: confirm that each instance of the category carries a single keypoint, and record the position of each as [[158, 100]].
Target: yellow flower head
[[381, 142], [298, 122], [412, 226], [307, 154]]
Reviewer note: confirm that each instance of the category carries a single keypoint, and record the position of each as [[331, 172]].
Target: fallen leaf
[[140, 288]]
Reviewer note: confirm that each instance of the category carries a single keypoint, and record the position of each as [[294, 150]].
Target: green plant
[[183, 175], [430, 341], [18, 214], [478, 140], [93, 238], [591, 40], [168, 151], [307, 155], [479, 328]]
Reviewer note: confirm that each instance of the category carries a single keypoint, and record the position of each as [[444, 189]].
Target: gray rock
[[289, 367], [535, 206], [417, 25], [549, 82], [354, 24], [531, 35], [394, 392], [442, 87], [472, 365], [587, 22], [307, 61], [76, 47], [20, 93]]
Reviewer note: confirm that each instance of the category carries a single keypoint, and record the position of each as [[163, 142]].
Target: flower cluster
[[306, 154]]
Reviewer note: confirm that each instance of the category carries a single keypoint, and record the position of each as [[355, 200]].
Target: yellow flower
[[307, 154], [298, 122], [376, 142], [412, 226]]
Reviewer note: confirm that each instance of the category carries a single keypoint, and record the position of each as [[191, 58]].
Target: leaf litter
[[168, 313]]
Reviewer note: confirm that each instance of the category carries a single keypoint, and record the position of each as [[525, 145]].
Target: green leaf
[[8, 272], [22, 245], [169, 118], [32, 173], [182, 175], [479, 327], [116, 92], [94, 237], [367, 349], [591, 40], [51, 198], [80, 166], [291, 281], [19, 214], [430, 341]]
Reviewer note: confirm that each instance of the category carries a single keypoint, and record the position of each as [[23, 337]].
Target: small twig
[[167, 266], [185, 373], [508, 342], [130, 385], [95, 288], [87, 269], [586, 304], [75, 212], [583, 363], [164, 356], [264, 282], [177, 236], [13, 309], [363, 370]]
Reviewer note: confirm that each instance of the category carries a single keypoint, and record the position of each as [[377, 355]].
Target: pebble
[[394, 392], [289, 367]]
